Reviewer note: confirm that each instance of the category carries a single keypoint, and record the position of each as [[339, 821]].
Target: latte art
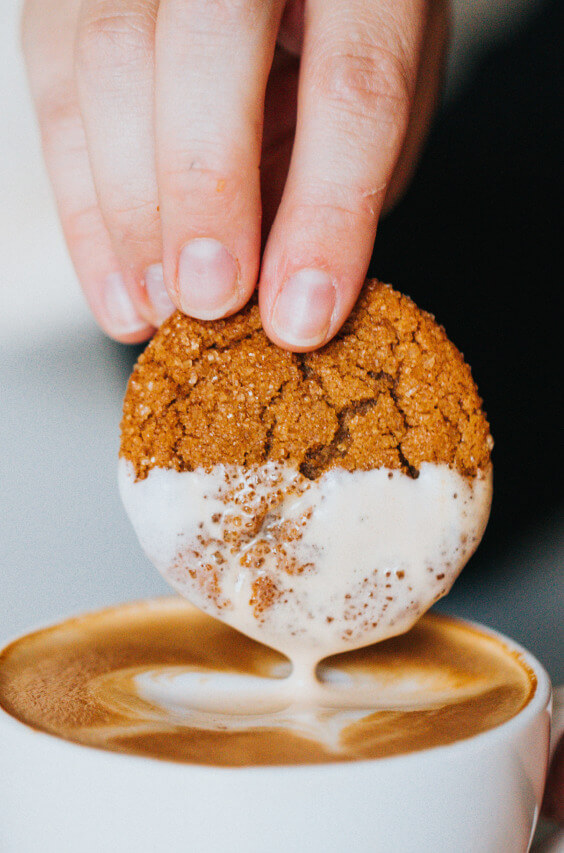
[[162, 679]]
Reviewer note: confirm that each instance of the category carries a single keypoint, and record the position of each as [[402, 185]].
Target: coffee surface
[[162, 679]]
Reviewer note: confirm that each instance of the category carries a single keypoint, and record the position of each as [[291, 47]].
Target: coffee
[[162, 679]]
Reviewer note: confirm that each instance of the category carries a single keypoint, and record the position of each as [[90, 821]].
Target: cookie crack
[[228, 347], [306, 370], [266, 408], [320, 457], [408, 468]]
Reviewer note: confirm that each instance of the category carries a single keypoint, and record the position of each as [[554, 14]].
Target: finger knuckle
[[221, 15], [191, 174], [59, 118], [330, 201], [80, 224], [57, 104], [368, 80], [112, 40], [134, 223]]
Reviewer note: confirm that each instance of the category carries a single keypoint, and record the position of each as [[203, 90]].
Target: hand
[[172, 128]]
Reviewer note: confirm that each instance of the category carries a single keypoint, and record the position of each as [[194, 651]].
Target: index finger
[[357, 79]]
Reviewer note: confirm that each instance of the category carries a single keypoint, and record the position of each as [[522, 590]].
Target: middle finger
[[213, 59]]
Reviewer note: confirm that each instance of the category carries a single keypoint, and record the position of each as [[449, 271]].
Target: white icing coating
[[309, 567]]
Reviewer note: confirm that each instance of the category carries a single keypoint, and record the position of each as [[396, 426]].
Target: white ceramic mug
[[479, 795]]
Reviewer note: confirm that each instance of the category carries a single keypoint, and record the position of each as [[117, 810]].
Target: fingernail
[[304, 307], [156, 291], [121, 313], [207, 279]]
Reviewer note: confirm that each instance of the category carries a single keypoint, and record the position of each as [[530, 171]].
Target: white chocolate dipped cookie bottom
[[309, 567]]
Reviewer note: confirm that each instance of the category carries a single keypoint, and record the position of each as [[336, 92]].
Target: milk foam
[[162, 679], [229, 701], [218, 701], [309, 567]]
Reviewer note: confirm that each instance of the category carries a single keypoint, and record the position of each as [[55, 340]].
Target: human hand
[[168, 129]]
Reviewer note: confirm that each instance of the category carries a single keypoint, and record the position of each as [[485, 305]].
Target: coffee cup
[[479, 793]]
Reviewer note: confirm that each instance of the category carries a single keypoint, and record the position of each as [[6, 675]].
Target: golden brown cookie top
[[389, 391]]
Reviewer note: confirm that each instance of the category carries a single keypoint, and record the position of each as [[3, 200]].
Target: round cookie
[[390, 390], [320, 499]]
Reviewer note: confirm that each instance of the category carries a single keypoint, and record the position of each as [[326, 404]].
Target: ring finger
[[48, 34]]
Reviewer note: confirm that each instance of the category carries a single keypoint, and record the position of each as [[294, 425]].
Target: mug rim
[[541, 700]]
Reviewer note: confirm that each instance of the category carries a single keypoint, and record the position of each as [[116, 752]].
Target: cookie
[[390, 391], [321, 499]]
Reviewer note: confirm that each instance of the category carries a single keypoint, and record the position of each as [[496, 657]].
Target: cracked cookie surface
[[389, 391]]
